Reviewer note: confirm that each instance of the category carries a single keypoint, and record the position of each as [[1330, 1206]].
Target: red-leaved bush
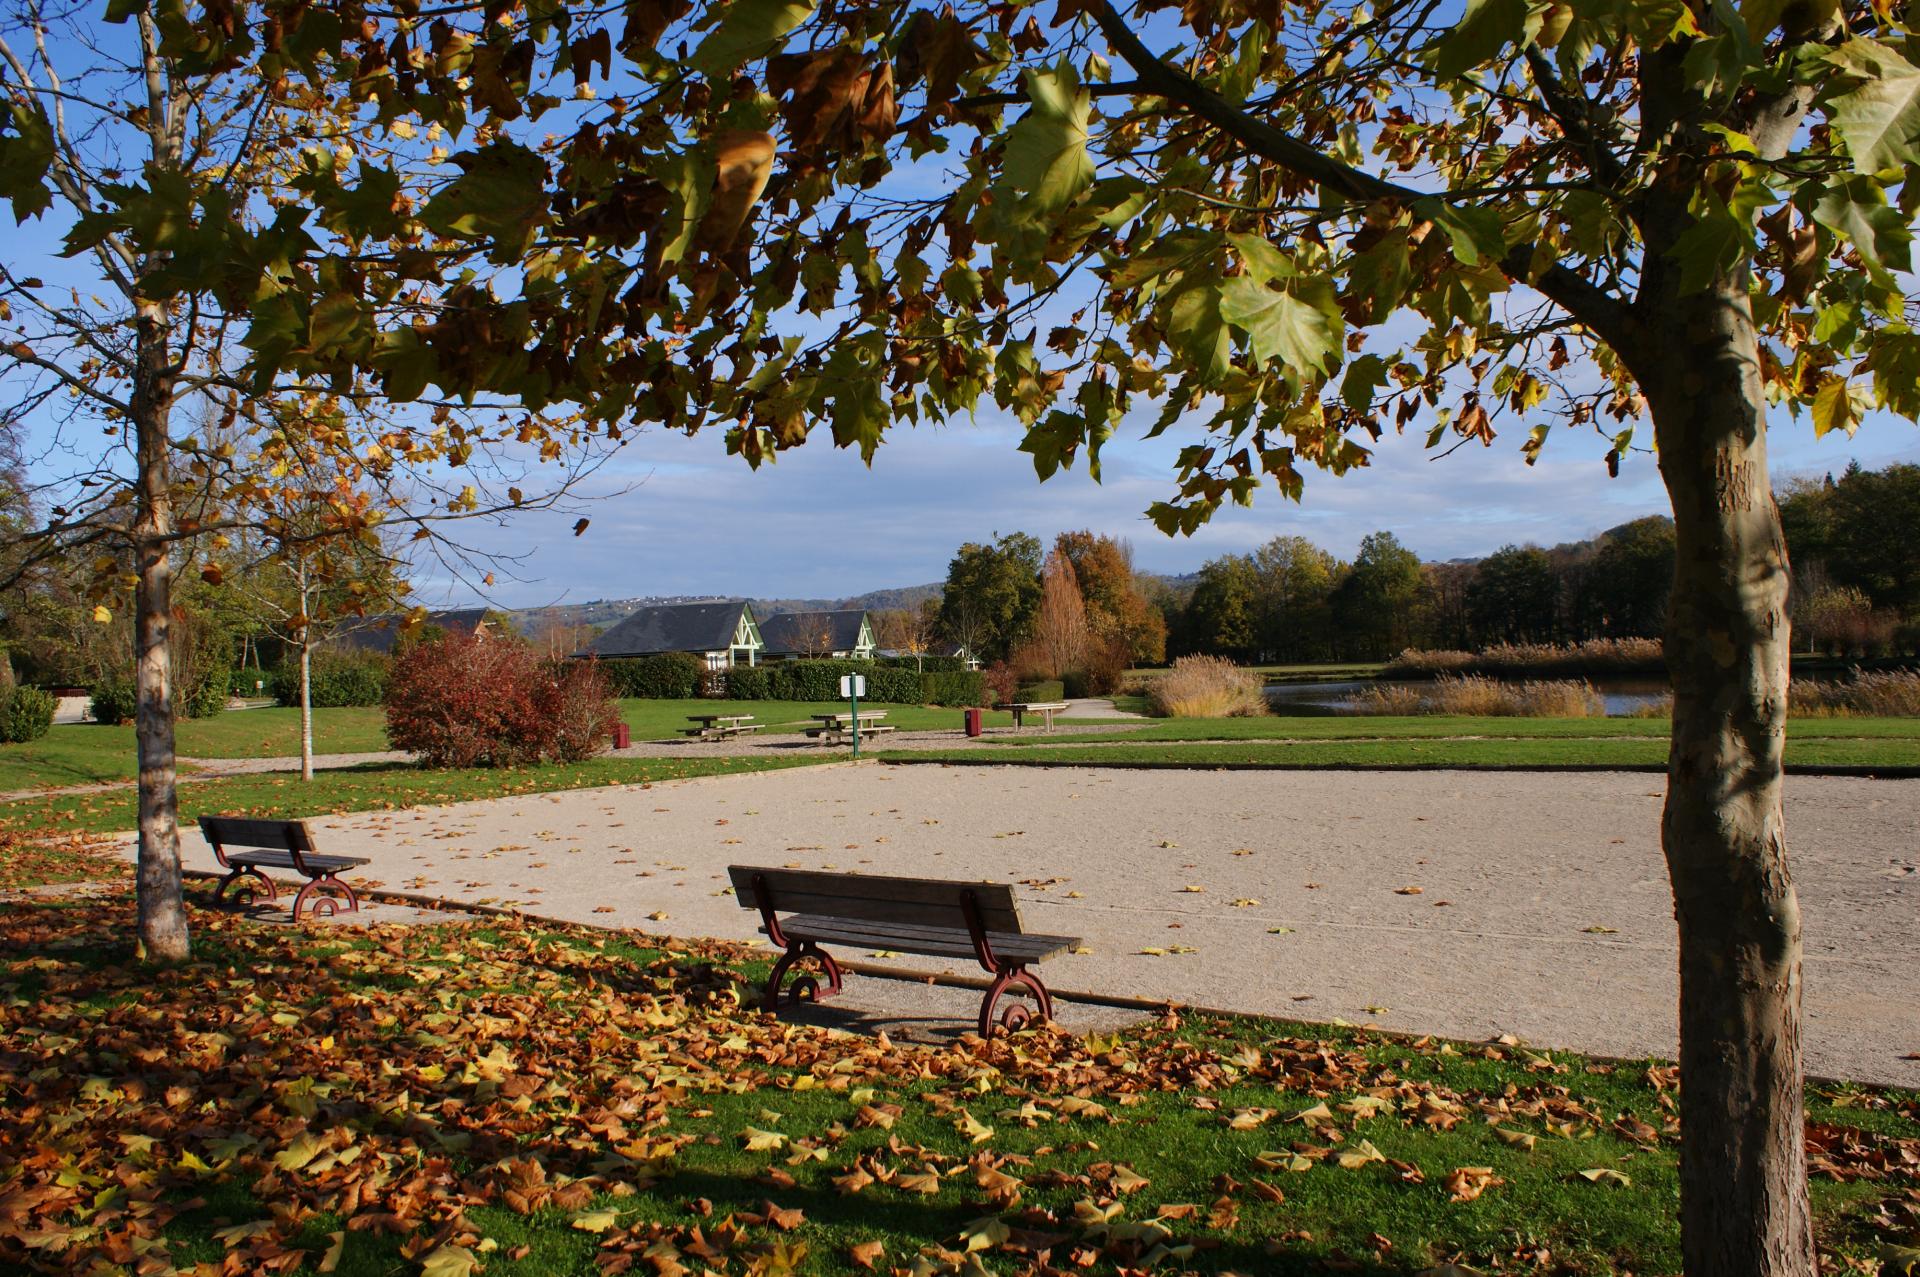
[[470, 700]]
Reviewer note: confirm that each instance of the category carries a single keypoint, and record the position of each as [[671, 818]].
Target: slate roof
[[787, 633], [672, 627], [377, 633]]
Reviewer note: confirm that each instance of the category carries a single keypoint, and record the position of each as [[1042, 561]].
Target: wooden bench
[[940, 919], [720, 726], [1020, 710], [278, 844]]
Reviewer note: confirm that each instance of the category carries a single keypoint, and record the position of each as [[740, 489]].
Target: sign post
[[851, 687]]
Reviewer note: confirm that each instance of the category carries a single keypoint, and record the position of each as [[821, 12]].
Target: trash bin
[[622, 737], [974, 727]]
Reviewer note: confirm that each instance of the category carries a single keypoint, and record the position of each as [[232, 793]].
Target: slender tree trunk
[[1744, 1208], [162, 911], [306, 708]]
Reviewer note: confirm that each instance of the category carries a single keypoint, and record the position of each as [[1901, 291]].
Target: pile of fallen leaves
[[28, 862], [255, 1110]]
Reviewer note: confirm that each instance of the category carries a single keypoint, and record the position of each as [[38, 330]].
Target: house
[[721, 634], [377, 634], [965, 656], [840, 635]]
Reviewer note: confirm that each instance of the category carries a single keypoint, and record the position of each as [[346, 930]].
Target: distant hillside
[[606, 612]]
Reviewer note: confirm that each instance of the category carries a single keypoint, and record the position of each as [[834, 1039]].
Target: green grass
[[437, 1064], [1414, 751], [1436, 727], [371, 787]]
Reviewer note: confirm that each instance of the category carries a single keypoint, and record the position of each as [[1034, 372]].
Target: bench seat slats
[[284, 860], [939, 942], [877, 897]]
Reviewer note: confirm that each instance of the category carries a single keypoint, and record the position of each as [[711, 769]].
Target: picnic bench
[[246, 849], [720, 726], [930, 916], [1020, 710], [831, 729]]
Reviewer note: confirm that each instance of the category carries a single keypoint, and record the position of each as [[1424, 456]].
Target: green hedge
[[207, 697], [670, 676], [750, 683], [1077, 685], [26, 713], [953, 687], [1047, 689], [335, 680]]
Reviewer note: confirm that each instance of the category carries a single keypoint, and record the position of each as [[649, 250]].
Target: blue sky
[[820, 524]]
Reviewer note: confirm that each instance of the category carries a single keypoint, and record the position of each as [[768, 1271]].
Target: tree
[[1373, 604], [1062, 637], [1631, 572], [1220, 616], [907, 630], [1514, 596], [991, 592], [200, 170], [1296, 580], [1118, 612]]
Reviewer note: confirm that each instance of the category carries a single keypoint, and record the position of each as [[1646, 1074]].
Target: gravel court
[[1459, 903]]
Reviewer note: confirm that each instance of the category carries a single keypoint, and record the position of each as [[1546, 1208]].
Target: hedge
[[1048, 689], [207, 697], [26, 713], [114, 701], [670, 676], [750, 683], [953, 687], [334, 680]]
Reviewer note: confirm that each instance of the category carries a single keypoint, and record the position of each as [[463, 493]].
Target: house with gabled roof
[[723, 634], [378, 634], [842, 635]]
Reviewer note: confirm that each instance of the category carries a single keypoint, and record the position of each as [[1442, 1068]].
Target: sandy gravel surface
[[1542, 908]]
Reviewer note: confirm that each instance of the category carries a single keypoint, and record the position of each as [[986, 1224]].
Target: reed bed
[[1594, 656], [1474, 695], [1206, 687]]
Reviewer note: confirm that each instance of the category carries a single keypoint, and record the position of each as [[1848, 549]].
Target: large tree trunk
[[1744, 1208], [163, 915]]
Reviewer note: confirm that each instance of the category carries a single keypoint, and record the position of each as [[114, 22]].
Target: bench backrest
[[222, 832], [875, 898]]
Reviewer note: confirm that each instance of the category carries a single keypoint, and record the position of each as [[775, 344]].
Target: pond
[[1623, 694]]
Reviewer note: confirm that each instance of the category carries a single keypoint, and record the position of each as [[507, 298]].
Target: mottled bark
[[162, 912], [1744, 1208]]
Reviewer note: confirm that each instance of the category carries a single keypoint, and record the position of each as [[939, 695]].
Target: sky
[[819, 524]]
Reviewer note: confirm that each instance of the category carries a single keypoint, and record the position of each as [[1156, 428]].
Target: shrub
[[749, 683], [473, 701], [952, 687], [1206, 687], [114, 701], [1074, 684], [1000, 681], [207, 696], [670, 676], [26, 713], [1894, 693], [1046, 689], [335, 679]]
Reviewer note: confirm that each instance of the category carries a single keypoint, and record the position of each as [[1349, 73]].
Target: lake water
[[1622, 695]]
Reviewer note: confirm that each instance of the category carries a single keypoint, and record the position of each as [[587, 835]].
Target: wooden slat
[[878, 898], [945, 942], [234, 831], [284, 860]]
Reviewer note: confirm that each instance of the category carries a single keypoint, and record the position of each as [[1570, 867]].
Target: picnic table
[[831, 729], [1020, 710], [720, 726]]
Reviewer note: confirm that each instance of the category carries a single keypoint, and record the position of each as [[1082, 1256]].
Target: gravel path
[[1465, 904]]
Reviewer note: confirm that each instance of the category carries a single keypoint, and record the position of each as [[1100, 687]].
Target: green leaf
[[1299, 327], [1878, 114], [1475, 233], [500, 197], [1856, 209], [1484, 29], [1365, 376], [1712, 246], [748, 30], [1047, 159], [1265, 263], [25, 158], [1834, 408], [1196, 329]]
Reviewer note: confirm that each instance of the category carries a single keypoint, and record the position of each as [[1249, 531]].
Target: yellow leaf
[[1605, 1175], [331, 1260], [985, 1233], [971, 1127], [102, 615], [1359, 1155], [449, 1261], [759, 1141], [595, 1221]]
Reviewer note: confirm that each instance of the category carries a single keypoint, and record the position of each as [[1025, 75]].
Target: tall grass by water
[[1479, 696], [1593, 656], [1206, 687]]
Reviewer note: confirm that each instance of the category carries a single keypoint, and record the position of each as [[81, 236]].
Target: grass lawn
[[560, 1102], [1543, 751], [372, 787], [89, 753]]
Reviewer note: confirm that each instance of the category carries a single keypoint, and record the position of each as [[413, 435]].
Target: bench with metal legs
[[247, 848]]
